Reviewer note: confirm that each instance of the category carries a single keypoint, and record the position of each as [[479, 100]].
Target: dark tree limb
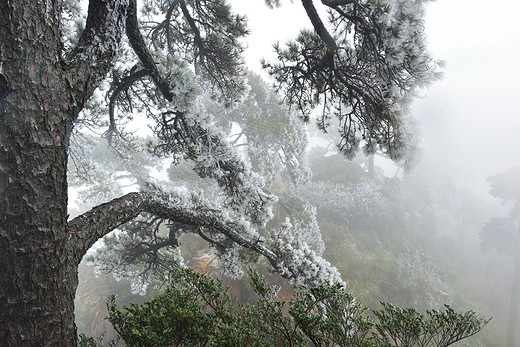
[[319, 26], [192, 24], [121, 87], [334, 3], [165, 25], [141, 50], [87, 228]]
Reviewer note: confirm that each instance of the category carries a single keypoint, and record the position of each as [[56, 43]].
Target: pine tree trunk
[[37, 280]]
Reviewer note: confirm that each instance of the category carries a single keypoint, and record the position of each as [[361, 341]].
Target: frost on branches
[[143, 250], [300, 263], [363, 65], [180, 71]]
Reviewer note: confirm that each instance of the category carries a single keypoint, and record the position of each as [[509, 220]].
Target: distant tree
[[502, 234], [364, 63], [375, 230]]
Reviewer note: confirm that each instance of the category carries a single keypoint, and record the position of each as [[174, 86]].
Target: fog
[[470, 119], [469, 122]]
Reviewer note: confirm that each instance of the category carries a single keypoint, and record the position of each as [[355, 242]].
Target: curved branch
[[122, 86], [165, 24], [87, 228], [191, 23], [334, 3], [205, 238], [92, 225], [141, 50]]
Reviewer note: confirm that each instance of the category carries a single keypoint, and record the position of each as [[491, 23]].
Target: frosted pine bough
[[366, 81], [364, 67], [244, 205]]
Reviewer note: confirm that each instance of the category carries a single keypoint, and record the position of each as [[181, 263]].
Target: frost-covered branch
[[365, 67], [286, 250], [195, 135], [87, 228], [298, 262]]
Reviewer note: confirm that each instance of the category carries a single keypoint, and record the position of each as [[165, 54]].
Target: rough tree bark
[[41, 94]]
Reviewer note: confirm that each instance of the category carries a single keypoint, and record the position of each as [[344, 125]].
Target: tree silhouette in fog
[[502, 234]]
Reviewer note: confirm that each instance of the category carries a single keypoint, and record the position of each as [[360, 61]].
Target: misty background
[[469, 122]]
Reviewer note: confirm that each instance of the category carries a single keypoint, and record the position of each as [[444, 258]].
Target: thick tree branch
[[92, 225], [318, 25], [141, 50], [93, 56], [192, 24], [165, 25], [334, 3], [87, 228]]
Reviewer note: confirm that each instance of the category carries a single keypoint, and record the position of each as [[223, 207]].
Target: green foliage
[[86, 341], [195, 310], [189, 312], [407, 327]]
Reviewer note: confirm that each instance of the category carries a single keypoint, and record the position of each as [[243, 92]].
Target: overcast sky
[[472, 116], [470, 119]]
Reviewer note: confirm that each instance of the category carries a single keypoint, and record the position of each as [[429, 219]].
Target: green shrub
[[195, 310]]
